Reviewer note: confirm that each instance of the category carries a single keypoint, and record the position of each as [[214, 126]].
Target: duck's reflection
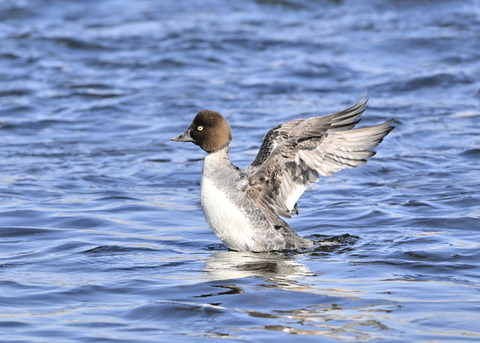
[[292, 298], [225, 265]]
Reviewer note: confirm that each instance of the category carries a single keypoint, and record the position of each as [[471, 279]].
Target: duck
[[244, 207]]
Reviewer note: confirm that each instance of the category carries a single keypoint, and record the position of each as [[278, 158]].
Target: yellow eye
[[199, 128]]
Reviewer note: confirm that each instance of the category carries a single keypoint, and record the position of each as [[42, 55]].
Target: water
[[102, 236]]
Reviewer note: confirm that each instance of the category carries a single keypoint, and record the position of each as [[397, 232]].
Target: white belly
[[227, 221]]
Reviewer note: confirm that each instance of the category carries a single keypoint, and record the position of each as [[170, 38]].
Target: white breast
[[227, 220]]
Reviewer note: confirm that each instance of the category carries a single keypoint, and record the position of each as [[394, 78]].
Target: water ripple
[[101, 230]]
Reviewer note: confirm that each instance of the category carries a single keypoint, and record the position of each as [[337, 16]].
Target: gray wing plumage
[[296, 152], [297, 128]]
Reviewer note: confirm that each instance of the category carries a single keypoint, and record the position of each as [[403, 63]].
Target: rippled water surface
[[102, 235]]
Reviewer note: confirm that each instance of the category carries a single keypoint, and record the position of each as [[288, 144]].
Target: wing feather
[[312, 147], [313, 126]]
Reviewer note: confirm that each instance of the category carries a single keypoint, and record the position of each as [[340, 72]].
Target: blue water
[[102, 235]]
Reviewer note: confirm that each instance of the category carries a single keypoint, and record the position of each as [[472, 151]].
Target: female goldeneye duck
[[243, 206]]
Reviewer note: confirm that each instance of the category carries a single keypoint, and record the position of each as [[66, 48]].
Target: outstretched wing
[[313, 126], [324, 146]]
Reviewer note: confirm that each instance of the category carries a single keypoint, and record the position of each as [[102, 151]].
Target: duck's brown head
[[209, 130]]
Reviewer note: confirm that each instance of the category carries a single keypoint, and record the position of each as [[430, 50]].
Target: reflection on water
[[344, 316], [273, 267], [223, 265]]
